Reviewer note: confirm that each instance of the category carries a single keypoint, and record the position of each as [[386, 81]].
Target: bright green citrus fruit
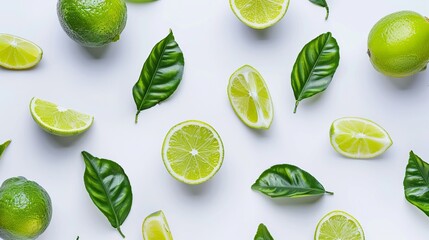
[[192, 152], [155, 227], [249, 97], [259, 14], [92, 23], [25, 209], [58, 120], [359, 138], [18, 53], [398, 44], [338, 225]]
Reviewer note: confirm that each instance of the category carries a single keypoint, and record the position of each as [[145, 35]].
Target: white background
[[215, 43]]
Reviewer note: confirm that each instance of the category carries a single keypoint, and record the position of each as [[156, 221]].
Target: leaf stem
[[137, 117], [327, 13], [296, 106], [120, 232], [330, 193]]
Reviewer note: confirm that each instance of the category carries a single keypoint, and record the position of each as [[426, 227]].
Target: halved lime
[[59, 120], [249, 97], [18, 53], [192, 152], [338, 225], [155, 227], [359, 138], [259, 14]]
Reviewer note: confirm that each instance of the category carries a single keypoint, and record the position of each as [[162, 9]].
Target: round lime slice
[[338, 225], [18, 53], [155, 227]]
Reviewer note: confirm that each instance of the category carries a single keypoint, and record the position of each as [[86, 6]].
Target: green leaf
[[416, 183], [286, 180], [109, 188], [160, 75], [322, 3], [263, 233], [4, 146], [314, 67]]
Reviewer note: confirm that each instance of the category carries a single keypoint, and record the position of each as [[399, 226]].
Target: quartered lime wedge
[[18, 53], [155, 227]]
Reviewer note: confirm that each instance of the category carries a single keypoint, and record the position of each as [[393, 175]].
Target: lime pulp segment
[[155, 227], [192, 152], [339, 225], [18, 53]]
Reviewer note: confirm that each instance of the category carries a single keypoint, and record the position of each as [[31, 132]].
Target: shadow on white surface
[[96, 52], [298, 201]]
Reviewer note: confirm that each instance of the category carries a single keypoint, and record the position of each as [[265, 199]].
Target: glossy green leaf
[[322, 3], [263, 233], [160, 75], [416, 183], [109, 188], [4, 146], [314, 67], [286, 180]]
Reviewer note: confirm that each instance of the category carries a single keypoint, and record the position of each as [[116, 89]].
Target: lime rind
[[255, 14], [382, 140], [263, 105], [166, 146], [14, 49], [159, 221], [349, 219], [79, 124]]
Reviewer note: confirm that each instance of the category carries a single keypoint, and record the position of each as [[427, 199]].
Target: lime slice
[[192, 152], [58, 120], [359, 138], [338, 225], [155, 227], [250, 98], [18, 53], [259, 14]]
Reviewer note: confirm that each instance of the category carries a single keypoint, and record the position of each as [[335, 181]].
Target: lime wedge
[[18, 53], [192, 152], [58, 120], [259, 14], [359, 138], [250, 98], [155, 227], [338, 225]]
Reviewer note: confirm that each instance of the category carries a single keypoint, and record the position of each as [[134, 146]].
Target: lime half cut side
[[18, 53], [155, 227], [192, 152], [259, 14], [250, 98], [359, 138], [58, 120], [338, 225]]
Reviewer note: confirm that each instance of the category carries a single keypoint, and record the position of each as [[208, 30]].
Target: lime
[[92, 23], [18, 53], [398, 44], [155, 227], [358, 138], [338, 225], [259, 14], [59, 120], [192, 152], [25, 209], [250, 98]]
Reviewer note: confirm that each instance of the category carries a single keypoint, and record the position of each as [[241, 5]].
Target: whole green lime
[[25, 209], [398, 44], [92, 23]]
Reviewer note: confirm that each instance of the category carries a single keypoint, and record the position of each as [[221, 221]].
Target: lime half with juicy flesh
[[259, 14], [58, 120], [249, 97], [338, 225], [398, 44], [359, 138], [155, 227], [18, 53], [192, 152]]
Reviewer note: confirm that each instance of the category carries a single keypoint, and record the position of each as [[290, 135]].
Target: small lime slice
[[259, 14], [155, 227], [249, 97], [18, 53], [359, 138], [338, 225], [58, 120], [192, 152]]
